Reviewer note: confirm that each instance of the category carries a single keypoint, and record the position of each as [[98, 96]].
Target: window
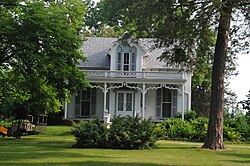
[[126, 58], [166, 103], [125, 101], [85, 103]]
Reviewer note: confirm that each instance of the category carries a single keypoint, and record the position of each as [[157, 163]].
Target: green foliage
[[132, 133], [189, 115], [184, 29], [230, 134], [5, 124], [194, 129], [39, 49], [200, 126], [177, 129], [89, 133], [246, 103], [237, 129], [124, 133]]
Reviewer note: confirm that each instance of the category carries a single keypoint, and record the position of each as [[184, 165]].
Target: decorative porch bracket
[[143, 90]]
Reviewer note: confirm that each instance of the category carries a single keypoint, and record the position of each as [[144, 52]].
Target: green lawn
[[54, 148]]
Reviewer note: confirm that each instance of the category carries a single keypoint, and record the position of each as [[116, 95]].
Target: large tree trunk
[[214, 138]]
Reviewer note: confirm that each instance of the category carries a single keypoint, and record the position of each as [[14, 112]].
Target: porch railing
[[133, 74]]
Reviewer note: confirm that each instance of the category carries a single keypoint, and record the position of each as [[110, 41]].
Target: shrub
[[177, 129], [200, 126], [89, 133], [237, 129], [124, 133], [132, 133], [188, 115], [230, 134]]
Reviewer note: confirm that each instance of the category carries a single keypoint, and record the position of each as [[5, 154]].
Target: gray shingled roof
[[95, 49]]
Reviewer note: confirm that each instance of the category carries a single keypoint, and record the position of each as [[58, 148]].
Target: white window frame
[[121, 59], [124, 110]]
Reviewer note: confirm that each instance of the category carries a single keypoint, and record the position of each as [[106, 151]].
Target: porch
[[158, 95]]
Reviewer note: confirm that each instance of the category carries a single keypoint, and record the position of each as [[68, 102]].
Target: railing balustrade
[[133, 74]]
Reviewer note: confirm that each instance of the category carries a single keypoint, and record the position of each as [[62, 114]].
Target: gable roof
[[95, 49]]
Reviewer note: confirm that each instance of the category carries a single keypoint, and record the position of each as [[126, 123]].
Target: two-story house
[[128, 79]]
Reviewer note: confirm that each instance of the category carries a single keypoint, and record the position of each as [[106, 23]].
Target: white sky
[[241, 83]]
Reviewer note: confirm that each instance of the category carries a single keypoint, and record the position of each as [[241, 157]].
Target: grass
[[54, 148]]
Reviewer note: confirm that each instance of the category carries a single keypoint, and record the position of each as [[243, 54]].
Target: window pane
[[133, 58], [126, 68], [158, 111], [133, 67], [86, 94], [93, 96], [126, 58], [129, 102], [119, 67], [166, 95], [166, 110], [119, 57], [120, 101], [85, 108]]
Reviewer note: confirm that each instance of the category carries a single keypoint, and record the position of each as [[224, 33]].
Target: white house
[[128, 79]]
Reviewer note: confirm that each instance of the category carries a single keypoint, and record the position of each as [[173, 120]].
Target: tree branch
[[8, 4]]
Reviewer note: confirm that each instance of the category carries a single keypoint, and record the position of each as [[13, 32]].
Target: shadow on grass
[[177, 148], [241, 155], [244, 158], [90, 163], [35, 149], [238, 161]]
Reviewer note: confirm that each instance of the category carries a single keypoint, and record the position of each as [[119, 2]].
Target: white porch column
[[183, 101], [65, 109], [104, 98], [143, 99], [66, 103]]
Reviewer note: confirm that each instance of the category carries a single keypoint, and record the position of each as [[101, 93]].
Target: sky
[[241, 83]]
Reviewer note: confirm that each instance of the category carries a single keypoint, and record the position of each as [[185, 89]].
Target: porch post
[[143, 99], [66, 103], [183, 101], [65, 109], [104, 98]]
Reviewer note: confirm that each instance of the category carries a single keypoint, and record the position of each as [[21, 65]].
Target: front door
[[125, 103]]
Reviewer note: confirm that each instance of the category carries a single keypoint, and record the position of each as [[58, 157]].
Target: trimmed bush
[[124, 133], [132, 133], [89, 133]]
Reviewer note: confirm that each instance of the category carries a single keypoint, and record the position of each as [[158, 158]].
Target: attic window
[[126, 58]]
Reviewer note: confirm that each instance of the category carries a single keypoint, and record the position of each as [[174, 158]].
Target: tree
[[246, 103], [39, 47], [179, 27]]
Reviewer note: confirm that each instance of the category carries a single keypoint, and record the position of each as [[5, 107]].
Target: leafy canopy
[[39, 47]]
